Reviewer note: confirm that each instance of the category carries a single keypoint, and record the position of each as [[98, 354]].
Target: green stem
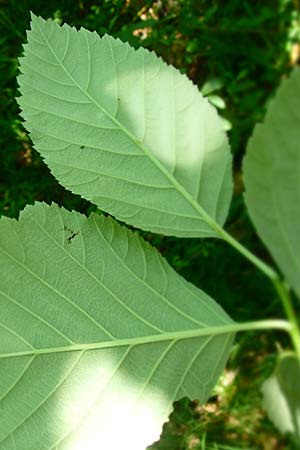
[[285, 297], [173, 335], [278, 284], [263, 267]]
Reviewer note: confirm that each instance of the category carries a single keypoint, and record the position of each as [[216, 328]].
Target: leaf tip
[[34, 18]]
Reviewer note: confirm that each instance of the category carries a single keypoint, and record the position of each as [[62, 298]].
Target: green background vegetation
[[236, 51]]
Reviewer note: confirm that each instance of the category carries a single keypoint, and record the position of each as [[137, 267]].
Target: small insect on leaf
[[70, 234]]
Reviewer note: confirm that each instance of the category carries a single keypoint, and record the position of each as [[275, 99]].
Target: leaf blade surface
[[271, 175], [281, 397], [98, 333], [125, 131]]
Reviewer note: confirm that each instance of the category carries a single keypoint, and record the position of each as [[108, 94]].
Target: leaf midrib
[[141, 340], [188, 197]]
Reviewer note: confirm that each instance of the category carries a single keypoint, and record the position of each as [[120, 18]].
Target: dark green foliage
[[247, 46]]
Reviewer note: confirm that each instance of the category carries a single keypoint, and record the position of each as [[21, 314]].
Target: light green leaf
[[281, 396], [272, 179], [125, 131], [226, 124], [217, 101], [98, 335]]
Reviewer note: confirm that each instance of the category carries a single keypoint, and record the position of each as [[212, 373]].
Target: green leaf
[[98, 335], [217, 101], [281, 396], [212, 85], [271, 175], [125, 131]]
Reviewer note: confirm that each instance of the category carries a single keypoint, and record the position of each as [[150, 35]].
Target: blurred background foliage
[[237, 52]]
